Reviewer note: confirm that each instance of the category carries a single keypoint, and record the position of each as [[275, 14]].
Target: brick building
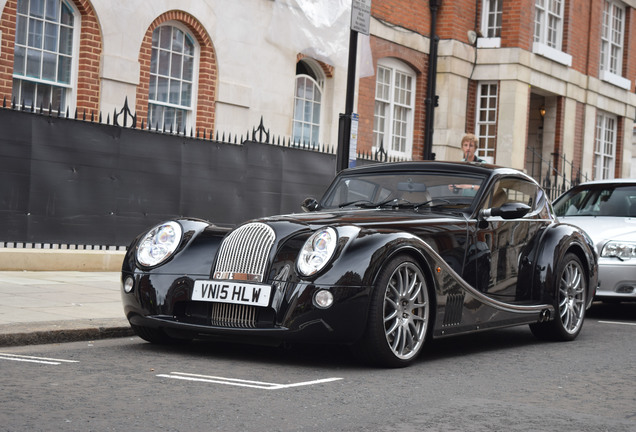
[[537, 81]]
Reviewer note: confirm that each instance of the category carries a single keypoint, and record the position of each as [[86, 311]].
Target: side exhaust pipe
[[545, 315]]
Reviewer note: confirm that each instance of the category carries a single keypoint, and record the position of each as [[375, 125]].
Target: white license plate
[[231, 292]]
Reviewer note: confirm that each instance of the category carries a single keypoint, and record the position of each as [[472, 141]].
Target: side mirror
[[309, 204], [506, 211]]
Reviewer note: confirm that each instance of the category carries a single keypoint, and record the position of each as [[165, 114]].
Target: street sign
[[361, 16], [353, 140]]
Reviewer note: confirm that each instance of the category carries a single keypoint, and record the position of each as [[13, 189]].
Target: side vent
[[453, 310]]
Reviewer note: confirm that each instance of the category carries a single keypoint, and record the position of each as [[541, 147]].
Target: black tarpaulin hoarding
[[66, 181]]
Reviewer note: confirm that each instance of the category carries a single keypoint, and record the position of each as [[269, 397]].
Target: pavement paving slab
[[60, 306]]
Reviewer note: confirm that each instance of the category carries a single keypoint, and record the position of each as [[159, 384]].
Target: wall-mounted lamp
[[542, 111]]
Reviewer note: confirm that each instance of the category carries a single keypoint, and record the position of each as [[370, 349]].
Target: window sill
[[489, 43], [552, 54], [616, 80]]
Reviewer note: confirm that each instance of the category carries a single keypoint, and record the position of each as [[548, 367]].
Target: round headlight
[[159, 244], [317, 251]]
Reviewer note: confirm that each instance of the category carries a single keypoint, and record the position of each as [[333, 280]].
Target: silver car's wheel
[[569, 302], [399, 315]]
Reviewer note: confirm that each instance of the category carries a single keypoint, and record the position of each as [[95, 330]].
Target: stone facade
[[243, 75]]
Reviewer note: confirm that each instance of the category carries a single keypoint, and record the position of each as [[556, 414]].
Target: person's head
[[469, 146]]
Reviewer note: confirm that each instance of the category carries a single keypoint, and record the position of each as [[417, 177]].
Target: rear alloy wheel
[[399, 315], [569, 303]]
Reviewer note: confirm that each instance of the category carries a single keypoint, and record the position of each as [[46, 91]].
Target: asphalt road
[[504, 380]]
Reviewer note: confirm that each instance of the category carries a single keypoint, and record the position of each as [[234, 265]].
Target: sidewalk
[[60, 306]]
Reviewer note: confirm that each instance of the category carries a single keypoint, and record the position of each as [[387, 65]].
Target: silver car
[[606, 210]]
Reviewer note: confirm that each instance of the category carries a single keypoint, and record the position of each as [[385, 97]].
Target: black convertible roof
[[488, 170], [467, 167]]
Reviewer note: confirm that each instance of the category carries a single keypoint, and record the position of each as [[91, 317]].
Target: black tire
[[398, 317], [569, 303], [156, 336]]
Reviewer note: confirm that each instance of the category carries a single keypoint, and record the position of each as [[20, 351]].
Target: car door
[[502, 244]]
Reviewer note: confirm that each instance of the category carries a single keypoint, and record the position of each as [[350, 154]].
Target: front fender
[[359, 262], [194, 255]]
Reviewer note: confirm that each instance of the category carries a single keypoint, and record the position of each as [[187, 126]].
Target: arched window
[[307, 103], [171, 93], [394, 106], [43, 54]]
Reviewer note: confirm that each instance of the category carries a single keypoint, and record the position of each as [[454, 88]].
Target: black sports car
[[390, 256]]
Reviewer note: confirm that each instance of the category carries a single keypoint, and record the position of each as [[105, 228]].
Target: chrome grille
[[243, 254], [232, 315]]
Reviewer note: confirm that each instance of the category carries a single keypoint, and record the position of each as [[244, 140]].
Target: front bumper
[[617, 278], [164, 301]]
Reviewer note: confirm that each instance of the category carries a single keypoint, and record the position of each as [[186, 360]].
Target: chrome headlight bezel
[[622, 250], [159, 244], [317, 251]]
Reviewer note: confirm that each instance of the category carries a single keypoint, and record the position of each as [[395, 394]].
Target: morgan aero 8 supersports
[[391, 256]]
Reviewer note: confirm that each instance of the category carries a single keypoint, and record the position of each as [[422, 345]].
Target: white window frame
[[548, 31], [190, 111], [389, 124], [69, 88], [300, 121], [492, 10], [486, 114], [612, 44], [605, 146]]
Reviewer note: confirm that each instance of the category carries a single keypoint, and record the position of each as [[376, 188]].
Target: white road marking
[[618, 322], [31, 359], [240, 382]]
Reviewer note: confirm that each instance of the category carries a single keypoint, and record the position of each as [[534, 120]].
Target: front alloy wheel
[[399, 315], [569, 303]]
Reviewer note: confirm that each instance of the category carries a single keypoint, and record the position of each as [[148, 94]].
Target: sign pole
[[360, 21], [345, 119]]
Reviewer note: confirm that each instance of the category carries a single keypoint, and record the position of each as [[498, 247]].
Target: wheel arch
[[589, 260], [577, 250], [417, 250], [377, 343], [557, 242]]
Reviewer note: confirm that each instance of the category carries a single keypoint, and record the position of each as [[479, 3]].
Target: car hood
[[604, 228], [371, 217]]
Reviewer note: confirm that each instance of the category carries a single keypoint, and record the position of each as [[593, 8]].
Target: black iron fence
[[78, 180], [555, 175]]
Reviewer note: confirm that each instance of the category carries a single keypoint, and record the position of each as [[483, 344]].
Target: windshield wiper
[[358, 203], [394, 202], [431, 201]]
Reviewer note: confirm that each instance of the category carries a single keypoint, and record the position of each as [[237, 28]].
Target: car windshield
[[403, 190], [598, 200]]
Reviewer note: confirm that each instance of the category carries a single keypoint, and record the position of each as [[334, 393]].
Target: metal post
[[431, 97], [344, 124]]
